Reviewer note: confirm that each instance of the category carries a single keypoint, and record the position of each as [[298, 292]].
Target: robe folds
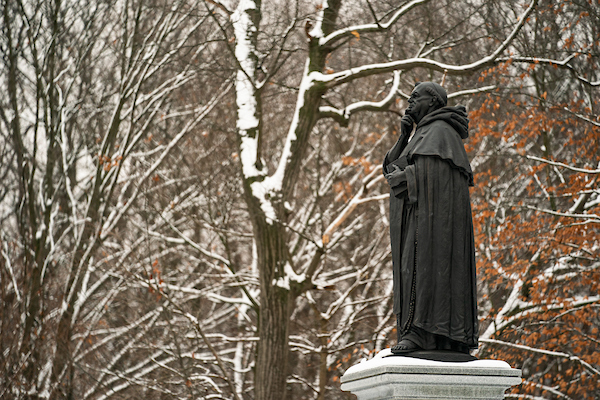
[[431, 230]]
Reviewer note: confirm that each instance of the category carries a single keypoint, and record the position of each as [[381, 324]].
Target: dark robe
[[431, 230]]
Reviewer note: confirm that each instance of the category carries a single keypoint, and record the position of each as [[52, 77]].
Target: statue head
[[425, 98]]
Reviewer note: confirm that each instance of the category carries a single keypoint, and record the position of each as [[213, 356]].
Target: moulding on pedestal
[[397, 378]]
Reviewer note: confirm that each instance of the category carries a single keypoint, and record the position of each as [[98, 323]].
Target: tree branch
[[555, 63], [221, 6], [343, 116], [471, 91], [376, 27], [582, 117], [545, 352], [352, 74], [559, 164], [590, 217]]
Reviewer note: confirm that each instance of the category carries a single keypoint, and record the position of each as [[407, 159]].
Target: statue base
[[437, 355], [387, 377]]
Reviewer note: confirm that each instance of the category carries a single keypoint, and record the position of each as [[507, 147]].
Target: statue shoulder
[[442, 130], [437, 138], [440, 139]]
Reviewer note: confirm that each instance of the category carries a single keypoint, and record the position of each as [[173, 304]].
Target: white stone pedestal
[[396, 378]]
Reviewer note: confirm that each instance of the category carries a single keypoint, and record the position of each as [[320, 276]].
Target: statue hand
[[396, 176], [406, 124]]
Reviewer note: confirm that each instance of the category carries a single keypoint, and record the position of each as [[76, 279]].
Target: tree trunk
[[276, 298], [274, 319]]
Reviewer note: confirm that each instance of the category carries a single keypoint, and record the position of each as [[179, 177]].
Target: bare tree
[[86, 85], [192, 203], [281, 280]]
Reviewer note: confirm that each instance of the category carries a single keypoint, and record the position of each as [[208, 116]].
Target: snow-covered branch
[[356, 200], [563, 64], [515, 309], [582, 117], [569, 357], [563, 165], [467, 92], [198, 328], [365, 28], [201, 114], [589, 217], [343, 116], [352, 74]]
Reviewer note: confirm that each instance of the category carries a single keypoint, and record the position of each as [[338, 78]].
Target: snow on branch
[[351, 74], [373, 198], [546, 388], [512, 303], [290, 277], [272, 185], [112, 334], [113, 219], [343, 116], [341, 301], [569, 357], [524, 309], [559, 164], [4, 251], [199, 329], [376, 27], [196, 246], [589, 217], [248, 118], [356, 200], [118, 356], [460, 93], [555, 63], [582, 117], [216, 298], [471, 91]]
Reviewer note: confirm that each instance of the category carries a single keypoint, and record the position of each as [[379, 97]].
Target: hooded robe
[[431, 230]]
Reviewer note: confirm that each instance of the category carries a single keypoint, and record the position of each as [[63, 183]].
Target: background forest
[[192, 205]]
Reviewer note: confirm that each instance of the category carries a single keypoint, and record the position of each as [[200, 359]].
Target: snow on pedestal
[[396, 378]]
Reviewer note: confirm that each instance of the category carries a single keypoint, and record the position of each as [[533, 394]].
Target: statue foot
[[405, 346]]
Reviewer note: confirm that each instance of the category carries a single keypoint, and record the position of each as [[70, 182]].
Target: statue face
[[420, 103]]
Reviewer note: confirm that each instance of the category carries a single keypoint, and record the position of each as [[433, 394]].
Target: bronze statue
[[431, 227]]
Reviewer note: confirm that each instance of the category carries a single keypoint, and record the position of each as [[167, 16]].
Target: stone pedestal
[[395, 378]]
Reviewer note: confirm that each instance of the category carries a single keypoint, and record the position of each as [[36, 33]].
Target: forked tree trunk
[[276, 298]]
